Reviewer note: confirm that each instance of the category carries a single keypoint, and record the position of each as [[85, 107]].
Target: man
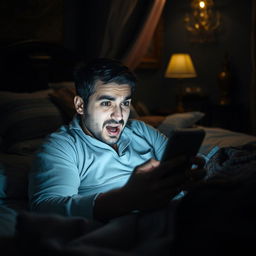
[[103, 165]]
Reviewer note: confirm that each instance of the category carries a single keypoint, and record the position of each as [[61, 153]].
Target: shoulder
[[66, 135], [137, 125], [146, 133], [58, 147], [141, 128], [61, 140], [62, 134]]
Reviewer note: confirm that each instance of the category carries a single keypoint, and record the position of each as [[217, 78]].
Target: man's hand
[[152, 185], [196, 173]]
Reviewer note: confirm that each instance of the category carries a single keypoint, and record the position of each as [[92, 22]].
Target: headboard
[[29, 66]]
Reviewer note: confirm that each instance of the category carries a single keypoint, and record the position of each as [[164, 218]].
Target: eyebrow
[[108, 97]]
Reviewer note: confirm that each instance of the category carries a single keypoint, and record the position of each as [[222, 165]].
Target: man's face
[[107, 111]]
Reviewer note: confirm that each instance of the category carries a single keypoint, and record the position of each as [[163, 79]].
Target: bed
[[29, 113]]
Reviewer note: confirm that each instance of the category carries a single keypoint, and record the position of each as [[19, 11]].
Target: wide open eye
[[127, 103], [105, 103]]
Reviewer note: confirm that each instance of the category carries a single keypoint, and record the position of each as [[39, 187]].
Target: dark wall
[[233, 38], [84, 25]]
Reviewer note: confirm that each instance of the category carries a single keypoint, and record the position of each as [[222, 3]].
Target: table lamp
[[180, 66]]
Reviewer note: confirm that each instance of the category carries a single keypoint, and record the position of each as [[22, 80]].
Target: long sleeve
[[55, 181]]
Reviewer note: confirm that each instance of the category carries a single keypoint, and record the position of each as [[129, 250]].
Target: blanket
[[236, 163], [134, 234]]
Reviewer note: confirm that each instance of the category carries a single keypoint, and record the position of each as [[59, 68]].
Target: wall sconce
[[181, 66], [203, 21]]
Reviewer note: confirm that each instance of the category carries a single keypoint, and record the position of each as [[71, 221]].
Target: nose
[[117, 113]]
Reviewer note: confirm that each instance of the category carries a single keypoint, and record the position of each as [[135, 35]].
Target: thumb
[[149, 165]]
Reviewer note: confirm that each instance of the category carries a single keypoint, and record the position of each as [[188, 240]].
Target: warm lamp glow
[[202, 4], [180, 66], [203, 20]]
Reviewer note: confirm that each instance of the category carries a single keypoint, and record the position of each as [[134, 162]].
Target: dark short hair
[[101, 69]]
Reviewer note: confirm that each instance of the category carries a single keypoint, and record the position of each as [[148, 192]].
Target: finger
[[170, 183]]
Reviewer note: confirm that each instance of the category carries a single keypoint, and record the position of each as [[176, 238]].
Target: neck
[[114, 146], [84, 128]]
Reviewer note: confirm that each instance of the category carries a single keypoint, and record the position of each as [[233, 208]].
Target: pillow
[[27, 147], [27, 115], [64, 99], [179, 120], [141, 108], [133, 112], [154, 121]]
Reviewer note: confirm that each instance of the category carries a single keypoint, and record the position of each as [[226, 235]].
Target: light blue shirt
[[71, 168]]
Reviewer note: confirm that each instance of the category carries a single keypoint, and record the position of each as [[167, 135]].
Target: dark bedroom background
[[79, 26]]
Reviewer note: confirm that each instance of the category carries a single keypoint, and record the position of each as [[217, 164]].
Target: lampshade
[[180, 66]]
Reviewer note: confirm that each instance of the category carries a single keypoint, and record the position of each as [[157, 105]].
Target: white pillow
[[179, 120]]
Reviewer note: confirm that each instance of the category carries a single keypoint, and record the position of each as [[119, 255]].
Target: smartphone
[[184, 142]]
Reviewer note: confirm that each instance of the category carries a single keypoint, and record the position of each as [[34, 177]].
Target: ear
[[79, 105]]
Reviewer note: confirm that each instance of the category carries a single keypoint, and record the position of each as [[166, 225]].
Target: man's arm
[[54, 182]]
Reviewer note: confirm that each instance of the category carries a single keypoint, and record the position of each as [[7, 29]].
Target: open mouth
[[113, 130]]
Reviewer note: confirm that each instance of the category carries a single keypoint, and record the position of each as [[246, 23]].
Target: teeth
[[112, 129]]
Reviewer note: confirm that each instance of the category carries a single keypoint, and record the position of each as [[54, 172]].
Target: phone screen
[[184, 142]]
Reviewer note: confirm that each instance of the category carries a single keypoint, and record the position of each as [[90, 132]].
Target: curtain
[[129, 29], [253, 80], [142, 42]]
